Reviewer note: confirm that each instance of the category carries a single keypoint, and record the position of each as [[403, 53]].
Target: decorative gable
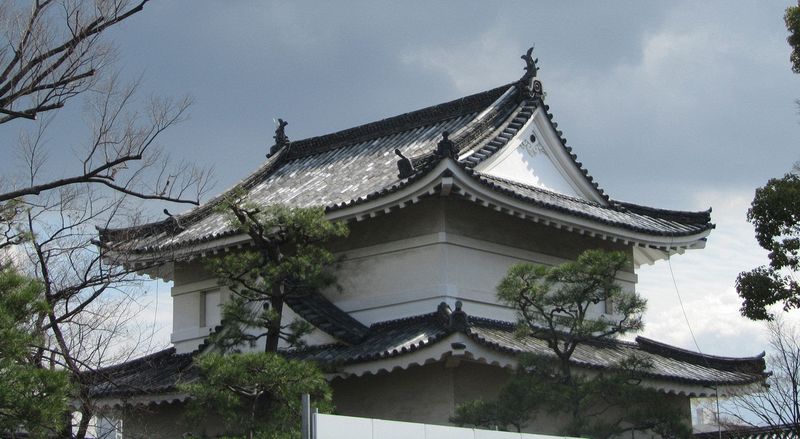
[[536, 157]]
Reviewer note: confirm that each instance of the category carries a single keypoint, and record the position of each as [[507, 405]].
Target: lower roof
[[160, 373]]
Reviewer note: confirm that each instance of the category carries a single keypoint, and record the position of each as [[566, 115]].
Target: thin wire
[[155, 320], [694, 339], [680, 301]]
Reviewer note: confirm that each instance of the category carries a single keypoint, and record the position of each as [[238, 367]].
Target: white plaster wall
[[412, 276], [196, 311], [195, 308], [405, 264]]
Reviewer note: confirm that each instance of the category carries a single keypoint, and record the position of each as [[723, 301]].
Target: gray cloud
[[671, 104]]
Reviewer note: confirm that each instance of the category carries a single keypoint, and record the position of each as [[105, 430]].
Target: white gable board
[[535, 157]]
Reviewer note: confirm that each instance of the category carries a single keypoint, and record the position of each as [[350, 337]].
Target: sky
[[680, 105]]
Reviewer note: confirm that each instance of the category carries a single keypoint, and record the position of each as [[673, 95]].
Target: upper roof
[[396, 340], [347, 171]]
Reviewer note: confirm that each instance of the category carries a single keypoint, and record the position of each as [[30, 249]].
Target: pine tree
[[32, 398], [556, 304], [287, 258]]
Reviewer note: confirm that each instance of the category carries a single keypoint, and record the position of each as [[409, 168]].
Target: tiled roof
[[356, 165], [394, 338], [320, 312], [668, 363], [160, 372], [385, 340], [322, 171], [624, 215], [150, 375]]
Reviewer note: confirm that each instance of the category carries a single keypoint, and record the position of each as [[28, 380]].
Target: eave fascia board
[[461, 347], [447, 173], [476, 192]]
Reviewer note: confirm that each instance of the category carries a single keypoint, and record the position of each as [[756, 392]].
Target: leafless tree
[[54, 51], [777, 404], [92, 319], [92, 305]]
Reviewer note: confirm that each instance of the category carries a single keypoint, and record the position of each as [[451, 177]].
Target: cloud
[[487, 59], [706, 283], [155, 317], [697, 102]]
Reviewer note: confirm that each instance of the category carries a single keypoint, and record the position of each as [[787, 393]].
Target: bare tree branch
[[54, 54]]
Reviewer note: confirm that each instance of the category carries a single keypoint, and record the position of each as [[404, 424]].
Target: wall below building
[[423, 394], [430, 393]]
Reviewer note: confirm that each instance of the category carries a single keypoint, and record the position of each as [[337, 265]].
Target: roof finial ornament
[[446, 147], [281, 139], [459, 321], [530, 68], [175, 221], [404, 166], [528, 85], [443, 312]]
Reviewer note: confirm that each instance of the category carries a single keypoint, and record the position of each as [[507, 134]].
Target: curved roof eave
[[449, 178], [472, 348]]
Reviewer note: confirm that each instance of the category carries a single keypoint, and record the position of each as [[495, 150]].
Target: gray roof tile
[[355, 165], [160, 372]]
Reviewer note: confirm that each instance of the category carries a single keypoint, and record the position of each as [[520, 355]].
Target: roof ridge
[[392, 322], [677, 215], [514, 122], [752, 364], [316, 309], [402, 122]]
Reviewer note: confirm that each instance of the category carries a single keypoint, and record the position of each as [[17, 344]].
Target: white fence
[[347, 427]]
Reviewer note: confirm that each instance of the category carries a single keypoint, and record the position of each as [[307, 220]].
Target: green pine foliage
[[32, 399], [256, 394], [287, 257], [775, 213], [792, 20], [555, 304]]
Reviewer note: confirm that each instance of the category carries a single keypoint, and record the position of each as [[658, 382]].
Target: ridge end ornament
[[281, 139], [529, 85], [446, 147], [404, 166]]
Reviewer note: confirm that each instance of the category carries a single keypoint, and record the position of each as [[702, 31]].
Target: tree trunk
[[274, 330], [83, 426]]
